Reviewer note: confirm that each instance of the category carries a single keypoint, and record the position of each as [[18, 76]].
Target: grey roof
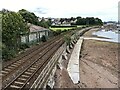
[[34, 28]]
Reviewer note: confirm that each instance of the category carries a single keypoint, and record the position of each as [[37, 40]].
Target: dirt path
[[98, 64]]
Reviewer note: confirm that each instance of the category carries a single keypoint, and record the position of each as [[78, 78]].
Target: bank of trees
[[82, 21], [30, 17], [88, 21], [13, 26]]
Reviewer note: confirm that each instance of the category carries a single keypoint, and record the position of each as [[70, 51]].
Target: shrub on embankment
[[13, 26]]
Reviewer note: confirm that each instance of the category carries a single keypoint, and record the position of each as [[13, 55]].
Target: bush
[[58, 32], [43, 38], [67, 39], [8, 54], [24, 46]]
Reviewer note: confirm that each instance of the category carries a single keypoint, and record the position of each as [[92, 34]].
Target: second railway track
[[12, 70], [23, 78]]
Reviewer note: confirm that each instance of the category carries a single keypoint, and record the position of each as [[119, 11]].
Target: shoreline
[[98, 63], [91, 70]]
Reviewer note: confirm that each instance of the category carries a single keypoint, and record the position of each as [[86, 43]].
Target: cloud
[[65, 8], [40, 10]]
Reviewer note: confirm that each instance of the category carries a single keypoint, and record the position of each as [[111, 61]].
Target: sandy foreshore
[[98, 64]]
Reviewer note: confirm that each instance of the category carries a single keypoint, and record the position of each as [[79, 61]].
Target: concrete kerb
[[74, 62]]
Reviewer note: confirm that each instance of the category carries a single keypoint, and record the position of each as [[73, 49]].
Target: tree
[[45, 24], [61, 20], [98, 21], [72, 19], [81, 21], [88, 21], [13, 26], [29, 17]]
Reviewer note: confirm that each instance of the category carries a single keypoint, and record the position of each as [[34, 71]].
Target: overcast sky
[[106, 10]]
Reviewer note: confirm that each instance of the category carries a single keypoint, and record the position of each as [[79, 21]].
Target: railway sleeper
[[26, 76], [32, 68], [10, 67], [4, 72], [14, 86], [14, 65], [17, 82], [23, 79], [7, 69], [29, 73], [17, 64], [2, 75], [35, 66], [20, 61]]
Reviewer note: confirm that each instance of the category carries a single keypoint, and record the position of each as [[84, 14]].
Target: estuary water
[[112, 36]]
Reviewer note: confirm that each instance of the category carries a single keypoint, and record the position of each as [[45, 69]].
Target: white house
[[35, 33]]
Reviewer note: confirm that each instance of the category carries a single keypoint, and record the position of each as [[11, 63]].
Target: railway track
[[22, 72], [12, 70], [22, 80], [27, 52]]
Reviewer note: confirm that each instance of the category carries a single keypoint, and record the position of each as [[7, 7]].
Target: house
[[110, 25], [35, 33]]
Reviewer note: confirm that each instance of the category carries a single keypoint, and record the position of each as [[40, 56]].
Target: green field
[[64, 28]]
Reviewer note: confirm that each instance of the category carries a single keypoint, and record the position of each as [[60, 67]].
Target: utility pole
[[119, 12]]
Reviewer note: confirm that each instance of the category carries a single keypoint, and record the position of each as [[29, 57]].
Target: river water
[[112, 36]]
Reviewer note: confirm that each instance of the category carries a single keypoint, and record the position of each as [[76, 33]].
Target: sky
[[107, 10]]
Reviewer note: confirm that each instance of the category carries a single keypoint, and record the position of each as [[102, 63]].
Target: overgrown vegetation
[[44, 23], [13, 26], [30, 17], [43, 38], [67, 39]]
